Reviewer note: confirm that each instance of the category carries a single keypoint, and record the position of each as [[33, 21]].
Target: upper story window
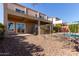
[[41, 16], [36, 15], [20, 11], [57, 19]]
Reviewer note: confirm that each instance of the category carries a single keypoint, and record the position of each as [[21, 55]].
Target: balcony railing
[[26, 15]]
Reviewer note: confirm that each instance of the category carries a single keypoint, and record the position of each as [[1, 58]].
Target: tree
[[57, 28]]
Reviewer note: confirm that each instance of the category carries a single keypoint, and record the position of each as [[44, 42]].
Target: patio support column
[[50, 28], [38, 27], [15, 27]]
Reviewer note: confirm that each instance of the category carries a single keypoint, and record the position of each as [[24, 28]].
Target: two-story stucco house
[[20, 19]]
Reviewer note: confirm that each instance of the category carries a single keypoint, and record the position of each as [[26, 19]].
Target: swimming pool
[[71, 35]]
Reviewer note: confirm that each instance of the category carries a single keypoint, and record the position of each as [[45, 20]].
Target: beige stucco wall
[[14, 6], [32, 13], [5, 17], [29, 27]]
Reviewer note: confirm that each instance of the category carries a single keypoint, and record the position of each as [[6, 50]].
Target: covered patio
[[31, 24]]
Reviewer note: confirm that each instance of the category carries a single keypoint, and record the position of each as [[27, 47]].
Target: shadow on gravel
[[15, 46]]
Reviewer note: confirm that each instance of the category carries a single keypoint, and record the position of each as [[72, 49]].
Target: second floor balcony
[[26, 15], [36, 16]]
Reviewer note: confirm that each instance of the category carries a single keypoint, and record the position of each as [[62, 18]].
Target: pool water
[[71, 35]]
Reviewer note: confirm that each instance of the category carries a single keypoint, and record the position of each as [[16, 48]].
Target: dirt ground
[[37, 45]]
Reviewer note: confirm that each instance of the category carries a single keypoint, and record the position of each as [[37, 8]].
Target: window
[[36, 15], [40, 16], [57, 19], [17, 10], [20, 11], [11, 26], [23, 12], [20, 27]]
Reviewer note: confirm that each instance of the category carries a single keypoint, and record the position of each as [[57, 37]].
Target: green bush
[[57, 28], [53, 31], [73, 28], [1, 31]]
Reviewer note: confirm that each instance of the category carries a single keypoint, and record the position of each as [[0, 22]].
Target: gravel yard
[[37, 45]]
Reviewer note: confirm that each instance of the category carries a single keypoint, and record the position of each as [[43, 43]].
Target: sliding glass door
[[16, 27], [20, 27]]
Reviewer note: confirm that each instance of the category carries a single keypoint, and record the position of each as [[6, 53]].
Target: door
[[20, 27]]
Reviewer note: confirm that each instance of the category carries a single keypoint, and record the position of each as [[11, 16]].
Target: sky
[[1, 13], [66, 11]]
